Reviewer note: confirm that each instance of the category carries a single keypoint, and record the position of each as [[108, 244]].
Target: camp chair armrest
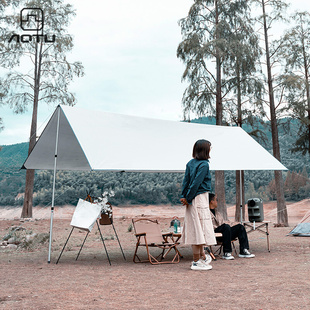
[[140, 234], [168, 234]]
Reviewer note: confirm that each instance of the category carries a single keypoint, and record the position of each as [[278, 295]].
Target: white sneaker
[[246, 253], [227, 256], [207, 260], [199, 265]]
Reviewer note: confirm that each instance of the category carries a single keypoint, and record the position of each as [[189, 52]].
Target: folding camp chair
[[149, 235], [219, 245]]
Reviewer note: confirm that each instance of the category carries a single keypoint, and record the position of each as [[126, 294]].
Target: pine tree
[[208, 43], [45, 71], [272, 10], [295, 52]]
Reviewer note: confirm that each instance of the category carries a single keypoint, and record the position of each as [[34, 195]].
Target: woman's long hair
[[201, 149]]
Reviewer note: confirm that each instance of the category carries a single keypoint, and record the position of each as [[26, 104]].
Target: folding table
[[260, 227]]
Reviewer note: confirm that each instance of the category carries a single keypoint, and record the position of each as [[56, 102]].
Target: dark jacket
[[197, 179]]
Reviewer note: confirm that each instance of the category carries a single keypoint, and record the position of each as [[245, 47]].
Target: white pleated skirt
[[198, 228]]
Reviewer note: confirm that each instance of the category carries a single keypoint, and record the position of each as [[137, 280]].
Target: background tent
[[302, 229], [76, 139]]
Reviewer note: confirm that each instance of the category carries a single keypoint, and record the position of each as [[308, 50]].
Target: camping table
[[260, 227]]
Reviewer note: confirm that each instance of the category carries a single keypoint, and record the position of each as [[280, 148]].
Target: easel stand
[[107, 219], [84, 242], [117, 240]]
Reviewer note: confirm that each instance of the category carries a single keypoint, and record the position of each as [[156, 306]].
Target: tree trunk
[[281, 206], [219, 175], [238, 202], [307, 89], [220, 191], [282, 218], [28, 198]]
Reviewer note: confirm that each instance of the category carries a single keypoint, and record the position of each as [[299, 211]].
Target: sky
[[128, 49]]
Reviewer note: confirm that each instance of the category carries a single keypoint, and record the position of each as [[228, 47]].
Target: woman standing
[[198, 229]]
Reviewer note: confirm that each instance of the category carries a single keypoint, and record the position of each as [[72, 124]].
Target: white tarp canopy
[[76, 139], [92, 140]]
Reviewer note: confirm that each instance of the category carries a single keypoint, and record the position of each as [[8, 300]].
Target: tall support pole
[[54, 181], [240, 173], [241, 204]]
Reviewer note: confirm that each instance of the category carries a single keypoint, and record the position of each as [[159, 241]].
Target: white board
[[85, 215]]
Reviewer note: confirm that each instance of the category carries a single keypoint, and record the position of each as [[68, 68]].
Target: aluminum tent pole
[[240, 197], [54, 181], [240, 175]]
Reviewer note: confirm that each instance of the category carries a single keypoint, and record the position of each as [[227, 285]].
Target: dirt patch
[[66, 212], [296, 211], [275, 280]]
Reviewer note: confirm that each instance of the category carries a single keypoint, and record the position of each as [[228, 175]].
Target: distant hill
[[13, 155]]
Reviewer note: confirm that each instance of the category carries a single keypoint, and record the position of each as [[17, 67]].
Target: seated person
[[229, 231]]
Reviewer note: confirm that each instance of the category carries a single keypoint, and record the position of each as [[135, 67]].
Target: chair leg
[[233, 246], [150, 258], [158, 259], [176, 251], [216, 252], [136, 250], [220, 249], [210, 252], [177, 254]]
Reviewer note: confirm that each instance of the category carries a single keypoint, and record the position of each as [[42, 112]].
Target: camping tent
[[76, 139], [302, 229]]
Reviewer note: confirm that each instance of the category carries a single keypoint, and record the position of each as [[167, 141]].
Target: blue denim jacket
[[197, 179]]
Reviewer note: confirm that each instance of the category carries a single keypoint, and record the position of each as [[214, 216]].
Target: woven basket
[[106, 217]]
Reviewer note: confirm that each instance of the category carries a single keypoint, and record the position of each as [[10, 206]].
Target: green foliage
[[129, 188], [296, 185], [46, 71], [37, 70], [262, 192], [130, 228], [12, 182], [220, 50], [295, 44], [13, 155], [12, 179]]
